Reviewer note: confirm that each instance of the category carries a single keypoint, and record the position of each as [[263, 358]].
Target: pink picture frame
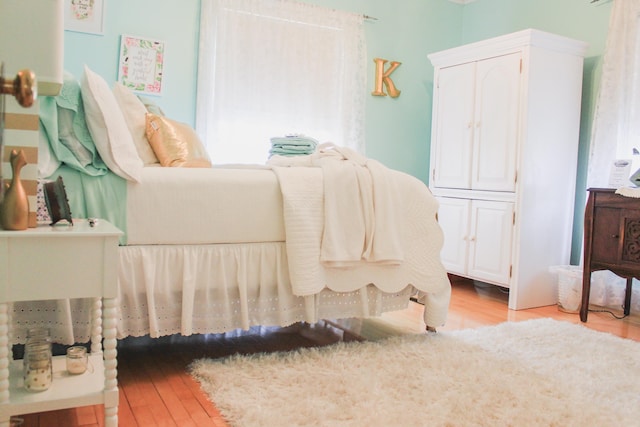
[[141, 64]]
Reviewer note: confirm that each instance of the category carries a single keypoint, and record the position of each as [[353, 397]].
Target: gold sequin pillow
[[175, 144]]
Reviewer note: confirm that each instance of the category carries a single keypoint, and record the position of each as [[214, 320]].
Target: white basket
[[569, 287], [607, 289]]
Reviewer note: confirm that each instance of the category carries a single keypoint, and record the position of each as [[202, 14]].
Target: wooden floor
[[155, 389]]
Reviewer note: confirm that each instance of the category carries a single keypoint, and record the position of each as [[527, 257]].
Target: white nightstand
[[61, 262]]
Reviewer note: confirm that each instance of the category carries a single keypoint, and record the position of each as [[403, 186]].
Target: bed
[[218, 248]]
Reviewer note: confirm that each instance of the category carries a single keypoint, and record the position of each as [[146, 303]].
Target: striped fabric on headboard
[[21, 133]]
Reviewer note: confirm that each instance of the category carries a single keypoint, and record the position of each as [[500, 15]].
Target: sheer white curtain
[[616, 130], [275, 67]]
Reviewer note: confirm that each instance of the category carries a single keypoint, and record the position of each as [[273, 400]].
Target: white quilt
[[415, 226]]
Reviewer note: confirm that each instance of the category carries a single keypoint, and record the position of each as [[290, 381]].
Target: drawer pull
[[615, 236]]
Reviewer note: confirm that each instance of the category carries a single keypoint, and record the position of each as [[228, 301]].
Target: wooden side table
[[45, 263], [611, 241]]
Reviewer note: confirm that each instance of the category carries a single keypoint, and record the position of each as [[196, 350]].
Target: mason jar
[[38, 339], [38, 370], [37, 360], [77, 360]]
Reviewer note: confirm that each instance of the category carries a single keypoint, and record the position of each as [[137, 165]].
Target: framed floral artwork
[[141, 64], [85, 16]]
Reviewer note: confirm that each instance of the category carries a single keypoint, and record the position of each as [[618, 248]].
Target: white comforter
[[193, 206]]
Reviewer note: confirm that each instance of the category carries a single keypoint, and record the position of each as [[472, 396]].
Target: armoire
[[503, 162]]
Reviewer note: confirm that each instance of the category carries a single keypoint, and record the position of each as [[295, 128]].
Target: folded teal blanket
[[292, 148], [63, 121], [293, 145], [288, 153]]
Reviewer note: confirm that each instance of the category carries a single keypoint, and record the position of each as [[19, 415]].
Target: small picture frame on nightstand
[[55, 197]]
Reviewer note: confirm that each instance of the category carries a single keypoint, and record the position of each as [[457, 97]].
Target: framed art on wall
[[141, 64], [84, 16]]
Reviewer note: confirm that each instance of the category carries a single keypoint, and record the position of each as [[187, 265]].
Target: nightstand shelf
[[60, 262], [66, 391]]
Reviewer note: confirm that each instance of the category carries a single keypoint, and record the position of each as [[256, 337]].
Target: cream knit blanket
[[403, 223]]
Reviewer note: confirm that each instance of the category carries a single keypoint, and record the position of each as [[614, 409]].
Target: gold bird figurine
[[14, 210]]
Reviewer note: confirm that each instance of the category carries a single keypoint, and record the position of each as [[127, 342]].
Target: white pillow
[[134, 114], [47, 160], [108, 127]]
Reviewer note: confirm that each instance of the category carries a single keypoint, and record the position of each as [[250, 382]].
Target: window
[[616, 128], [275, 67]]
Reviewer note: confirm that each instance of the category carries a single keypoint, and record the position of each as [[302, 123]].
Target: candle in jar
[[37, 375], [76, 360]]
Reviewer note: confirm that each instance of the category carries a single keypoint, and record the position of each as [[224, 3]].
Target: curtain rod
[[371, 18]]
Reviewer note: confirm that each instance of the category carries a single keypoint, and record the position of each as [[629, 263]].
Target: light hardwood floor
[[156, 390]]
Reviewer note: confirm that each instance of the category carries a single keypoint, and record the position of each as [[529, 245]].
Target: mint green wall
[[398, 130], [175, 22]]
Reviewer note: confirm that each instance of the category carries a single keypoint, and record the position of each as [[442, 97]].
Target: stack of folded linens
[[292, 145]]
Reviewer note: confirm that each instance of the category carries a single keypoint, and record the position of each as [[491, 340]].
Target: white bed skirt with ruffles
[[176, 289]]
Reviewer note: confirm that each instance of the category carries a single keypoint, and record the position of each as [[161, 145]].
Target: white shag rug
[[533, 373]]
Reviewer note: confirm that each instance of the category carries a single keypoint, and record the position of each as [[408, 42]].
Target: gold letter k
[[382, 77]]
